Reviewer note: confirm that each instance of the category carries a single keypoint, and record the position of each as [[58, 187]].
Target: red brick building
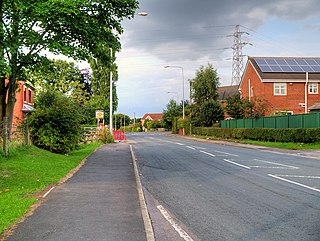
[[24, 102], [151, 117], [287, 84]]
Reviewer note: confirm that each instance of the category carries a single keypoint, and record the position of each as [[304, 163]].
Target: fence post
[[27, 135], [5, 137]]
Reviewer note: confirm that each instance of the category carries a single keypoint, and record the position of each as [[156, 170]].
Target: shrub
[[105, 136], [297, 135], [55, 125]]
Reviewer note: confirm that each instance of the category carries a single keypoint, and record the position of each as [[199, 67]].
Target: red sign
[[119, 136]]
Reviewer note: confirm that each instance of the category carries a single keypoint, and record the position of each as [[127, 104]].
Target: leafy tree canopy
[[75, 28], [206, 109], [172, 110], [205, 85], [239, 108]]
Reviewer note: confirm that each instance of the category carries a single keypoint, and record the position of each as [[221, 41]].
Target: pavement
[[100, 202]]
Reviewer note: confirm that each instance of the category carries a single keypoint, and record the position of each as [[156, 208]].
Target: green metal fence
[[289, 121]]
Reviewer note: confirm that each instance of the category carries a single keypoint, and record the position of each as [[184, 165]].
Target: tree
[[121, 120], [100, 83], [172, 110], [235, 106], [62, 76], [206, 108], [75, 28], [239, 108]]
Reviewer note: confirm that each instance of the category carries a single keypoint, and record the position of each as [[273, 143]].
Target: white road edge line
[[144, 209], [237, 164], [47, 193], [292, 182], [207, 153], [183, 234]]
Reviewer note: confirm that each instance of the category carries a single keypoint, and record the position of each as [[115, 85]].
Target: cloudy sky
[[189, 34]]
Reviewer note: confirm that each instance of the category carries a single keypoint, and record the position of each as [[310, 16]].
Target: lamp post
[[182, 72], [143, 14], [173, 92]]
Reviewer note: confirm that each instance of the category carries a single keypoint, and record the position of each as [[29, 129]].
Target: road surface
[[204, 191]]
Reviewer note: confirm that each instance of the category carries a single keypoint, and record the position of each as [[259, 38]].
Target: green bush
[[310, 135], [55, 125]]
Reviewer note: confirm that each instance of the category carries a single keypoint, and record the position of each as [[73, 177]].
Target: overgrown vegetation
[[55, 125], [29, 170]]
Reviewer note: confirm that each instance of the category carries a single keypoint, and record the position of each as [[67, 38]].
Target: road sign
[[99, 114]]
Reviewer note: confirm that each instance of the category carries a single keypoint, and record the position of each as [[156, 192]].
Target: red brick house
[[24, 102], [287, 84], [151, 117]]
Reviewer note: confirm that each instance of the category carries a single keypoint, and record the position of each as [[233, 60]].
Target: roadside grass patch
[[29, 170]]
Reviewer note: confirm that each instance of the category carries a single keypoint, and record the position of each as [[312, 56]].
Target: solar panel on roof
[[281, 62], [288, 65]]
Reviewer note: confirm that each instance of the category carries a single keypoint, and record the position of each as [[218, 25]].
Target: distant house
[[287, 84], [227, 91], [151, 117], [24, 102]]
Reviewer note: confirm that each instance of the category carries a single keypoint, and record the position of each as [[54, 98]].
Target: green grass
[[29, 170], [286, 145]]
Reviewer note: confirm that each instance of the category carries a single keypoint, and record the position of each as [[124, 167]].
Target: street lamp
[[143, 14], [179, 67], [173, 92]]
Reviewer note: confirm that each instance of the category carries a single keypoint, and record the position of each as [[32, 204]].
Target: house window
[[280, 89], [29, 96], [313, 88], [25, 94]]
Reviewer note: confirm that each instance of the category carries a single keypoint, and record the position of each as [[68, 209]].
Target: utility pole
[[237, 60]]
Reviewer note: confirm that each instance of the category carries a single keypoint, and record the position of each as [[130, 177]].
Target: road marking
[[47, 193], [190, 147], [198, 147], [270, 167], [207, 153], [143, 205], [237, 164], [278, 164], [229, 154], [295, 183], [183, 234], [180, 144], [295, 176]]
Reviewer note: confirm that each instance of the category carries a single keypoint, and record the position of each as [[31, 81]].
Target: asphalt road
[[205, 191]]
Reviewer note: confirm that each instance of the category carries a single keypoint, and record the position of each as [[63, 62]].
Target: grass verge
[[286, 145], [29, 170]]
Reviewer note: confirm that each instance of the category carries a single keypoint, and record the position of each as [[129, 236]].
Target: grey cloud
[[186, 30]]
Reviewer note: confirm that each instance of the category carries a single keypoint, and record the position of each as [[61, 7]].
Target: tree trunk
[[13, 62]]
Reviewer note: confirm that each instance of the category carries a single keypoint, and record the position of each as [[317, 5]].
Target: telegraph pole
[[237, 60]]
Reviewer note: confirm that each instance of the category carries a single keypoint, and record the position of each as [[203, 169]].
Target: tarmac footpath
[[99, 203]]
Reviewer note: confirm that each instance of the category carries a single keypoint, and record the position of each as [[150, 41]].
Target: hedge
[[297, 135]]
